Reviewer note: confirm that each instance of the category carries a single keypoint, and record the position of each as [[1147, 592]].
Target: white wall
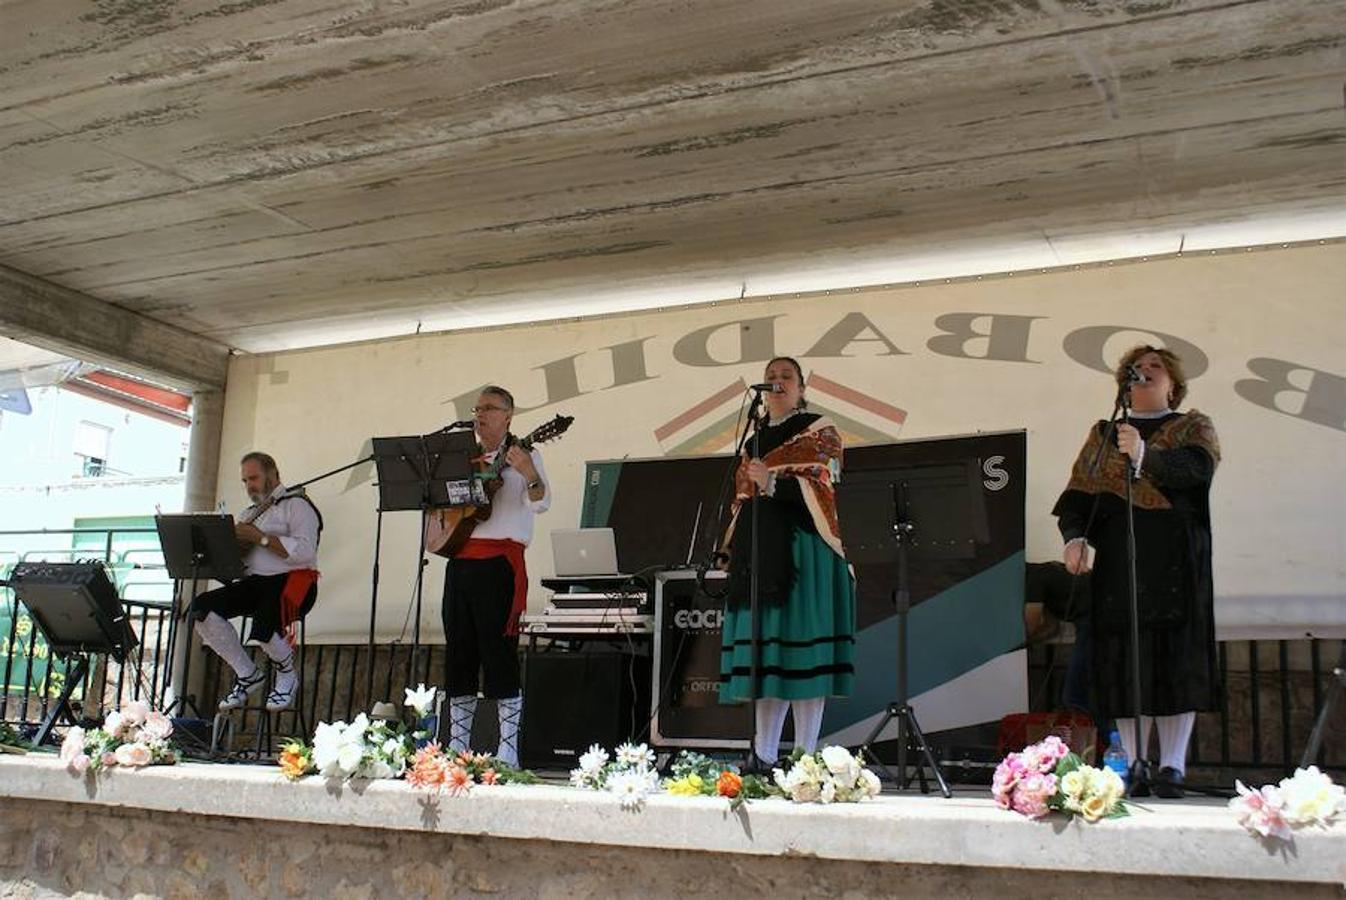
[[1270, 323]]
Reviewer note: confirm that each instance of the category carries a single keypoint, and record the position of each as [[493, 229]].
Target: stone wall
[[53, 849]]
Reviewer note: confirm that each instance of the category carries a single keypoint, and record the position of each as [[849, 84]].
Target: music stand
[[76, 607], [196, 546], [419, 472], [930, 512]]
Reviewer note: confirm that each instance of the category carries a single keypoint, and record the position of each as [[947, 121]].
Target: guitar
[[447, 528]]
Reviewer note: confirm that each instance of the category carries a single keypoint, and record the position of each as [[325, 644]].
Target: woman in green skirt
[[806, 595]]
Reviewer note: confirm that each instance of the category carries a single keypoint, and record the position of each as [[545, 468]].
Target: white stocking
[[1174, 734], [808, 722], [770, 715], [218, 635]]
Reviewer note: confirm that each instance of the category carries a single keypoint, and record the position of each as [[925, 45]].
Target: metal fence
[[1272, 692]]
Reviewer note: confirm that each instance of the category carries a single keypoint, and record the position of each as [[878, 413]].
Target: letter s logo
[[996, 476]]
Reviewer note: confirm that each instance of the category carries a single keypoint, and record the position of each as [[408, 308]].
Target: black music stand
[[419, 472], [196, 546], [76, 607], [929, 512]]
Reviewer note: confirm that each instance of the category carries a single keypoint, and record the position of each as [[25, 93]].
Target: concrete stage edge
[[215, 830]]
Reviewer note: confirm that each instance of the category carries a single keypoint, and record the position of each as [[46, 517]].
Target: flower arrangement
[[455, 774], [696, 775], [830, 775], [1307, 798], [362, 749], [629, 773], [131, 738], [1046, 776]]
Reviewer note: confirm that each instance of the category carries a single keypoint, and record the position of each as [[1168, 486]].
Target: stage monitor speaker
[[75, 606], [575, 699]]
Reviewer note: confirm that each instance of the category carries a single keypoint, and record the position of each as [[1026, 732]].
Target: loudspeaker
[[572, 700], [75, 606]]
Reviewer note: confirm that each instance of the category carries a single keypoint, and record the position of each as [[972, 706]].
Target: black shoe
[[1141, 787], [757, 766], [1168, 784]]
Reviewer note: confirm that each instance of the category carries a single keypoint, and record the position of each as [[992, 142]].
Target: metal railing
[[1272, 692]]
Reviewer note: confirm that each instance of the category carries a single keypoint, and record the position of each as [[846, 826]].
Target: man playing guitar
[[486, 585], [278, 536]]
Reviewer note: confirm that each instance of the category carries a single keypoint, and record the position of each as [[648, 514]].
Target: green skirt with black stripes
[[807, 642]]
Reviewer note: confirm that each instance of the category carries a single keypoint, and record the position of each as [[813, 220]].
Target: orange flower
[[293, 764], [429, 768], [729, 784], [490, 777], [458, 782]]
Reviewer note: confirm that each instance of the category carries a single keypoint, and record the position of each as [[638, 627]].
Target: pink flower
[[157, 727], [135, 713], [490, 777], [79, 764], [133, 755], [1261, 811], [109, 759], [429, 767], [73, 745]]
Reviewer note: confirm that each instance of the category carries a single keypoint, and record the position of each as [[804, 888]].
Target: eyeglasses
[[482, 409]]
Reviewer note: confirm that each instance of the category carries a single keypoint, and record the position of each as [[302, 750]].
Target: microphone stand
[[1121, 411], [754, 672]]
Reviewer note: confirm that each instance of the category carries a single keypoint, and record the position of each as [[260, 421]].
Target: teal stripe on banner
[[952, 633], [600, 489]]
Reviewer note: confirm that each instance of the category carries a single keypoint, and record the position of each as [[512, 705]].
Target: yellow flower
[[1094, 808], [1073, 783], [683, 787]]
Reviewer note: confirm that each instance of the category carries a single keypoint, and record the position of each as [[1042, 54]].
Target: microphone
[[768, 388], [1135, 376]]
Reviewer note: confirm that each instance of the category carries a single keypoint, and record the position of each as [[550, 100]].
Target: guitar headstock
[[548, 431]]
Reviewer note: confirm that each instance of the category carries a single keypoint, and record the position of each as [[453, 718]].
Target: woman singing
[[806, 598], [1171, 457]]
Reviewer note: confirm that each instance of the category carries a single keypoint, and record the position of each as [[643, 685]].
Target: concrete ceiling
[[274, 173]]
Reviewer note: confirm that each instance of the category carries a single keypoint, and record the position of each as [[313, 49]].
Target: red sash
[[298, 582], [490, 548]]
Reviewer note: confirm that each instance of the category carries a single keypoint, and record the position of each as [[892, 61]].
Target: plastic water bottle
[[1115, 757]]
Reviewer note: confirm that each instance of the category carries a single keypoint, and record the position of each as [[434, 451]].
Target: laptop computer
[[584, 552]]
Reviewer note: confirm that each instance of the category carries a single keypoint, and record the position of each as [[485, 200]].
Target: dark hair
[[1172, 364], [799, 372], [265, 460], [497, 391]]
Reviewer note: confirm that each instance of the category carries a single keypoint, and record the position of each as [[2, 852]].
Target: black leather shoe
[[1168, 784], [757, 766], [1141, 777]]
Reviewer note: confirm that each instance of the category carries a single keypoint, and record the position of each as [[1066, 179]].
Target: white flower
[[631, 787], [133, 755], [592, 762], [157, 727], [1073, 784], [869, 783], [421, 699], [1311, 798], [828, 792], [635, 755], [113, 724]]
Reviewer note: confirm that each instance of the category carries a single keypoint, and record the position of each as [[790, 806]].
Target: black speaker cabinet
[[574, 699]]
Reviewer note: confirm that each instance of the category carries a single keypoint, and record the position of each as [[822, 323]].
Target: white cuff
[[1140, 458]]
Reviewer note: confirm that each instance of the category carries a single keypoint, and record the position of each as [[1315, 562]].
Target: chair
[[224, 725]]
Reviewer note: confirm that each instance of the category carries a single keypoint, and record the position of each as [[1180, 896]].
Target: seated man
[[280, 546]]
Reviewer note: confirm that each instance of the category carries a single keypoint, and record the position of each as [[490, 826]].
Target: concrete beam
[[57, 318]]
